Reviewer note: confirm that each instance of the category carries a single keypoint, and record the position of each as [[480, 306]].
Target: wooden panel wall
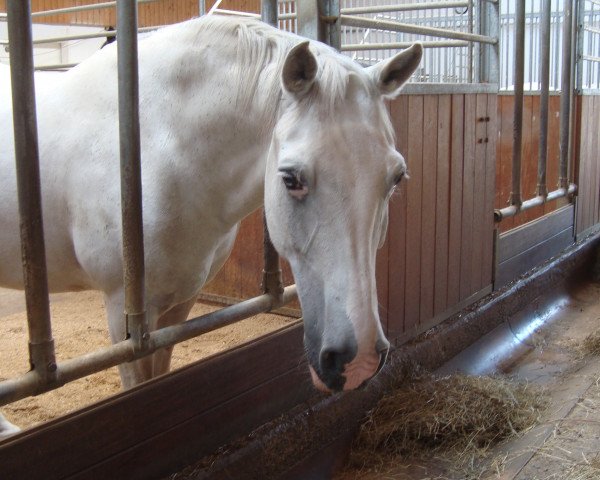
[[588, 175], [531, 135], [440, 239], [161, 12]]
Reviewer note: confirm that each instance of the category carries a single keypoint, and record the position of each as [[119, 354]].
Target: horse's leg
[[138, 371], [175, 315], [6, 428]]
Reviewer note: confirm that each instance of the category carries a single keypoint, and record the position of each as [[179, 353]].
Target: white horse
[[234, 114]]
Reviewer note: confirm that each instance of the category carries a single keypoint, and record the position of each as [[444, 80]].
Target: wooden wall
[[531, 139], [438, 254], [588, 174], [162, 12]]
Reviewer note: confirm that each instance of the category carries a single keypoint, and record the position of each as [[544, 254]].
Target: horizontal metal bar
[[501, 214], [590, 58], [83, 36], [235, 13], [287, 16], [31, 383], [356, 47], [56, 66], [591, 29], [361, 22], [403, 7], [81, 8]]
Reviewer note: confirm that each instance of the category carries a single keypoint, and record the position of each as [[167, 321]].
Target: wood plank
[[148, 415], [594, 155], [456, 181], [512, 268], [466, 251], [442, 213], [504, 152], [479, 214], [516, 241], [413, 212], [490, 188], [428, 206], [397, 226]]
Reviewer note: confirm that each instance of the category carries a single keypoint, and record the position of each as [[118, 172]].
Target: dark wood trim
[[522, 238], [159, 426], [533, 243]]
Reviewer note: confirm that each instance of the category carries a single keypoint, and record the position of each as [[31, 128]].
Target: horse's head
[[332, 168]]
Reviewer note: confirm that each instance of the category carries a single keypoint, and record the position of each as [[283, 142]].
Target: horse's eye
[[294, 182], [291, 180], [398, 178]]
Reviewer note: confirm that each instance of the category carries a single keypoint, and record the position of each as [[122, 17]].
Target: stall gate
[[445, 247]]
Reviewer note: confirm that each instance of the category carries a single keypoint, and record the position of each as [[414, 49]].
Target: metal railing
[[565, 188], [46, 373]]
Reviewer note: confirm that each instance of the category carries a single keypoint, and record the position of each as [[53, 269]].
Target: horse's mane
[[261, 51]]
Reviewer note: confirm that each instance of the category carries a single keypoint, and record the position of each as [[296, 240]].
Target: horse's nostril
[[333, 361]]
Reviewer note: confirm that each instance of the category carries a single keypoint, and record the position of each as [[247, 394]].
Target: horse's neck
[[222, 141]]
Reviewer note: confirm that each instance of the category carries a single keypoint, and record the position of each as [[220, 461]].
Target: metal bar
[[401, 45], [470, 47], [590, 58], [403, 7], [513, 210], [591, 29], [542, 189], [288, 16], [82, 36], [41, 344], [202, 7], [515, 194], [361, 22], [81, 8], [272, 283], [565, 95], [131, 179], [268, 12], [489, 60], [235, 13], [56, 66], [126, 351]]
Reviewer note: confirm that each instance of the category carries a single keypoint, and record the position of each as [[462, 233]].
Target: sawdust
[[80, 326]]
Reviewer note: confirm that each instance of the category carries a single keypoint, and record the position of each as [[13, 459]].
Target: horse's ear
[[299, 70], [391, 74]]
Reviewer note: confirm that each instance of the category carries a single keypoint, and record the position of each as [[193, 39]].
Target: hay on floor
[[457, 414], [591, 344]]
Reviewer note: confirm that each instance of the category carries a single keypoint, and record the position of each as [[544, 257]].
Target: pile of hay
[[591, 344], [458, 414]]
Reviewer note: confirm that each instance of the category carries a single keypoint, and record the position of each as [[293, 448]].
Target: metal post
[[131, 182], [515, 194], [268, 12], [41, 344], [272, 283], [202, 7], [489, 54], [320, 20], [542, 189], [565, 95]]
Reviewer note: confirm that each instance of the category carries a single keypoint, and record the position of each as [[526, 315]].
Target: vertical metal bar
[[202, 7], [542, 189], [580, 46], [272, 282], [41, 344], [131, 179], [471, 46], [489, 55], [515, 194], [268, 12], [565, 95]]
